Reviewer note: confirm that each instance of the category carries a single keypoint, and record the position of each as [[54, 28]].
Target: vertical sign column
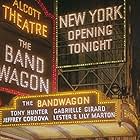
[[26, 43]]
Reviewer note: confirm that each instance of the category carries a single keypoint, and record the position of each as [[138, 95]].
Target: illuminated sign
[[93, 33], [64, 108], [27, 44], [15, 14]]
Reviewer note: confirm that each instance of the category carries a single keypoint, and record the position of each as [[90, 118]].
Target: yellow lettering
[[15, 3], [25, 25], [5, 10], [30, 11], [39, 103], [44, 31], [63, 101], [19, 20], [73, 101], [20, 6], [31, 26], [12, 15], [38, 14], [38, 28], [25, 8]]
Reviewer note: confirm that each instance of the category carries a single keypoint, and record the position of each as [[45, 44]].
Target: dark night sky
[[80, 5]]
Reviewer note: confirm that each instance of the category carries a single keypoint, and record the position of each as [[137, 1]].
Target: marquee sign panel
[[60, 108], [89, 33]]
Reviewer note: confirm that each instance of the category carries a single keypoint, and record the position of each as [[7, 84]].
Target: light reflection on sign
[[129, 114]]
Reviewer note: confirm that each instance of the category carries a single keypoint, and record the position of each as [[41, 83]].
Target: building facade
[[93, 48]]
